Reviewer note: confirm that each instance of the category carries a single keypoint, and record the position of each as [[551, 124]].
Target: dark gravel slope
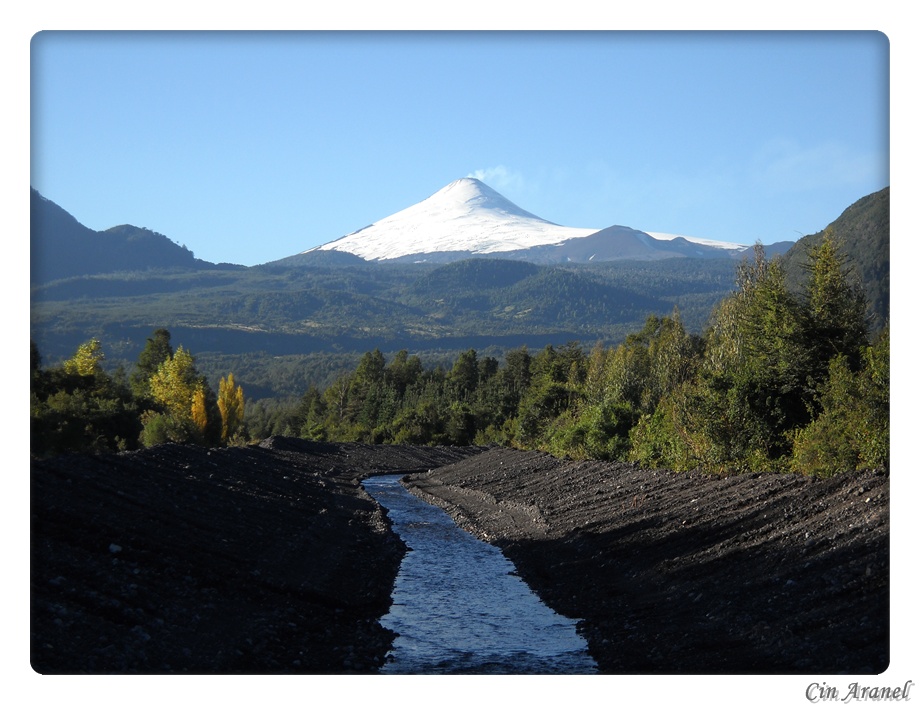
[[266, 559], [272, 559], [686, 573]]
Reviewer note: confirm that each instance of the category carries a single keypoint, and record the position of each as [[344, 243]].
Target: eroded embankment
[[688, 573], [180, 559]]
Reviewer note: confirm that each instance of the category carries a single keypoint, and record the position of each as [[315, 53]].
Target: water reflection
[[458, 608]]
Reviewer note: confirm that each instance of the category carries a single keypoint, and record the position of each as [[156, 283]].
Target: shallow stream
[[458, 607]]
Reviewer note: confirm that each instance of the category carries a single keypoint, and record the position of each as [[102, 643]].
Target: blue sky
[[249, 147]]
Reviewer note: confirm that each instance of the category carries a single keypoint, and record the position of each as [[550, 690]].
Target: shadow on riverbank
[[180, 559], [272, 559], [687, 573]]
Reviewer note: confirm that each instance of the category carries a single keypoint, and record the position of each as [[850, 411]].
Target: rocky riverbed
[[273, 559], [689, 573], [180, 559]]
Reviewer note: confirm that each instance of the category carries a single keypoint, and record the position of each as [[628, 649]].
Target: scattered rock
[[241, 560], [283, 564], [707, 574]]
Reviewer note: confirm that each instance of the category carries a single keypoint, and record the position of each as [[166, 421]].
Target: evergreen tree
[[403, 372], [364, 394], [157, 350], [554, 389], [627, 372], [514, 379], [336, 399], [463, 378], [311, 415], [596, 374], [852, 432], [673, 358], [837, 308], [756, 385]]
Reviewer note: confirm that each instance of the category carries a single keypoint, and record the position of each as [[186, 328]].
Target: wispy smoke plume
[[499, 178]]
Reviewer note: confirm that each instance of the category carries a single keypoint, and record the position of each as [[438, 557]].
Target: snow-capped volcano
[[467, 218], [464, 216]]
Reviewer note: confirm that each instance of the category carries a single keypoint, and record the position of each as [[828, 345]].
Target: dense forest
[[783, 378]]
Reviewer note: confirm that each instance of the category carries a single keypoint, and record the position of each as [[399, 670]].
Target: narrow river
[[458, 607]]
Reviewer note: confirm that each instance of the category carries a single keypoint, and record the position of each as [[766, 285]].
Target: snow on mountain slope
[[464, 216], [700, 241], [467, 216]]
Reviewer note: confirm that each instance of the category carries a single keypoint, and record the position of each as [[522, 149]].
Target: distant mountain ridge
[[284, 325], [468, 219], [62, 247]]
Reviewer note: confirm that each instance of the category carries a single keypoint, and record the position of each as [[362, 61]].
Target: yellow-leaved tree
[[185, 400], [231, 405], [174, 383], [86, 362], [200, 410]]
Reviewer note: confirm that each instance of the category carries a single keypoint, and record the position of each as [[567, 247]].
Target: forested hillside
[[680, 362], [286, 325], [280, 317], [862, 232], [778, 381]]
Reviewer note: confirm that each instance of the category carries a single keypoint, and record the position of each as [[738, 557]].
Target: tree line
[[778, 381], [79, 407]]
